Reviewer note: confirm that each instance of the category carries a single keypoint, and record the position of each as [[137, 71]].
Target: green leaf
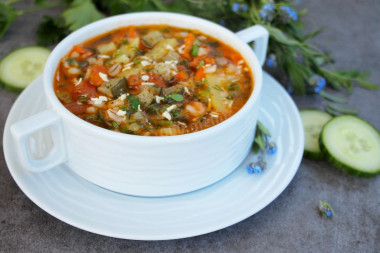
[[176, 97], [194, 50], [260, 141], [81, 13], [344, 110], [263, 129], [51, 31], [134, 103], [332, 97], [7, 15], [42, 3], [279, 36], [367, 84]]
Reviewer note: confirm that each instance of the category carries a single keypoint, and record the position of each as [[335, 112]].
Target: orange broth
[[154, 80]]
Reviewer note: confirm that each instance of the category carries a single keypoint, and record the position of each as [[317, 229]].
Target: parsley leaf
[[81, 13], [51, 31], [194, 50], [134, 103], [176, 97]]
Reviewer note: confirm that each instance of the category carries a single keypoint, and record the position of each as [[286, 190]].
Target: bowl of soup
[[150, 104]]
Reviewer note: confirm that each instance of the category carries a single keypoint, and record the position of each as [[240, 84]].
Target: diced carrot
[[189, 40], [157, 79], [132, 33], [134, 80], [83, 52], [181, 75], [95, 78], [235, 58], [85, 88], [199, 74]]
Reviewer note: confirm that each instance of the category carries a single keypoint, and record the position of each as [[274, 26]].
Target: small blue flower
[[267, 12], [287, 14], [268, 7], [235, 7], [244, 7], [271, 60], [325, 209], [272, 148], [255, 168], [222, 22], [317, 83]]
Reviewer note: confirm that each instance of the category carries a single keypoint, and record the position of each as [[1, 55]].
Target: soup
[[153, 80]]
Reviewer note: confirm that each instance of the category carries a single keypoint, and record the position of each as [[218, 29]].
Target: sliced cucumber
[[21, 66], [352, 145], [313, 120]]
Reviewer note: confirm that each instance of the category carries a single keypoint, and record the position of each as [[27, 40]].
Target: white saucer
[[68, 197]]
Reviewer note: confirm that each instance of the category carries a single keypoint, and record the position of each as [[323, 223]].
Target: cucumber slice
[[352, 145], [313, 120], [21, 66]]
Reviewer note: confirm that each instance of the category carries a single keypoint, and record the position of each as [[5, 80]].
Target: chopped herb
[[217, 87], [165, 30], [176, 97], [230, 97], [194, 50], [114, 124], [125, 42], [165, 123], [233, 86], [62, 85], [200, 64], [91, 117], [123, 108], [176, 113], [153, 107], [134, 103], [82, 64], [83, 98], [118, 53], [71, 61], [136, 61]]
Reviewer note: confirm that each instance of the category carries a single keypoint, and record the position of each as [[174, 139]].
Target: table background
[[291, 223]]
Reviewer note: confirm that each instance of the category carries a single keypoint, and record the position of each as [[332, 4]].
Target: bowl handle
[[258, 34], [21, 132]]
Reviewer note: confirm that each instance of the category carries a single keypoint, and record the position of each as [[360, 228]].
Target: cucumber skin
[[309, 154], [8, 86], [313, 155], [340, 165]]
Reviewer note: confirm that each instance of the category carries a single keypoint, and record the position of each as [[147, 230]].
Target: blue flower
[[255, 168], [317, 83], [267, 12], [271, 60], [325, 209], [268, 7], [222, 22], [235, 7], [272, 148], [288, 14]]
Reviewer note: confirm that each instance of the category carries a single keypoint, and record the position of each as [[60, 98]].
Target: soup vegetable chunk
[[153, 80]]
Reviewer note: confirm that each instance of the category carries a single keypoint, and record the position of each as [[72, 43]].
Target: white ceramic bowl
[[144, 165]]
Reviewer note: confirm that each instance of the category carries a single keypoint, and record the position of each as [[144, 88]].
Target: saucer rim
[[294, 166]]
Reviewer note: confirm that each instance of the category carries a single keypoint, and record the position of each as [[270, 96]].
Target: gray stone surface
[[291, 223]]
